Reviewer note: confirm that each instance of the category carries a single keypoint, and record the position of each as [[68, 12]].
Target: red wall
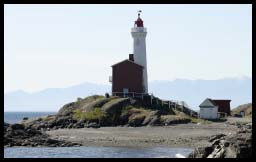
[[224, 105], [127, 74]]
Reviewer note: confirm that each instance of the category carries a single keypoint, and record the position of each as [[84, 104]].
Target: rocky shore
[[214, 140], [238, 145], [115, 121], [21, 135]]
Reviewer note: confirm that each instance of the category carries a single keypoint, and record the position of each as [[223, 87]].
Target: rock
[[155, 121], [33, 131], [201, 152], [238, 145], [51, 141], [93, 125], [17, 126], [20, 135], [136, 120], [62, 120], [9, 129], [70, 125], [216, 137], [6, 124], [152, 119], [25, 118]]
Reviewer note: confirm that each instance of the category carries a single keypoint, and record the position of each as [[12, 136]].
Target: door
[[125, 91]]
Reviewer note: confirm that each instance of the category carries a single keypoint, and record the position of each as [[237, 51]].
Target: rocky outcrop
[[174, 119], [246, 108], [21, 135], [96, 111], [238, 145]]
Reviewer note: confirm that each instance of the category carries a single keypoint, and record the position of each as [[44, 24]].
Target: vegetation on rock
[[247, 108], [95, 114], [96, 110]]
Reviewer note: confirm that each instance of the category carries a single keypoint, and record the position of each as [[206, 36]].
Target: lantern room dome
[[139, 22]]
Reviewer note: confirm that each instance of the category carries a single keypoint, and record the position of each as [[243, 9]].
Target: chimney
[[131, 57]]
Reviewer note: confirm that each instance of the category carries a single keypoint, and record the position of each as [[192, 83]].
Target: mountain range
[[193, 92]]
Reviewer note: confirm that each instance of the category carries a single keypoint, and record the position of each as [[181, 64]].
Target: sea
[[85, 151]]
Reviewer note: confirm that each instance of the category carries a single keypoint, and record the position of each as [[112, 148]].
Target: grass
[[95, 114], [248, 116], [112, 101], [198, 120], [126, 109], [48, 118], [193, 119]]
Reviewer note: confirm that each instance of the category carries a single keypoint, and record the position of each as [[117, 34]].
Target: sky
[[55, 46]]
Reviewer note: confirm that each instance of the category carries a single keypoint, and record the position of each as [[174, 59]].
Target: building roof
[[211, 103], [221, 103], [126, 61], [207, 103], [139, 21]]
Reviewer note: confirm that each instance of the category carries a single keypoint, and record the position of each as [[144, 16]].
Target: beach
[[181, 135]]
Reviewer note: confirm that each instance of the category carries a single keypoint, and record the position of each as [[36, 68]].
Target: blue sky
[[48, 46]]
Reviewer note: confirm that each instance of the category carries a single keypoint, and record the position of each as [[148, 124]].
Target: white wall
[[209, 112], [139, 50]]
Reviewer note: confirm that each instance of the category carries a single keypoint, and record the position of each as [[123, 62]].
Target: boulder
[[17, 126], [20, 135], [136, 120], [238, 145], [201, 152], [152, 118], [92, 125], [217, 136]]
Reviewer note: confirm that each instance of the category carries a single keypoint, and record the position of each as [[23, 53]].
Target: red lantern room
[[138, 22]]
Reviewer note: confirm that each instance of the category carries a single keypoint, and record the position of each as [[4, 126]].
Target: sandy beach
[[181, 135]]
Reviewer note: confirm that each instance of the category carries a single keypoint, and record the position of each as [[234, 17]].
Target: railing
[[174, 104], [130, 94]]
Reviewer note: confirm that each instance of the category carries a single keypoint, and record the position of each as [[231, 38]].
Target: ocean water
[[94, 152], [14, 117], [84, 151]]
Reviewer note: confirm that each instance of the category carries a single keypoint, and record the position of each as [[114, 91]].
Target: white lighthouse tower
[[139, 48]]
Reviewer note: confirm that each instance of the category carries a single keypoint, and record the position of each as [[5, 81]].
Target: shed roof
[[211, 103], [127, 60]]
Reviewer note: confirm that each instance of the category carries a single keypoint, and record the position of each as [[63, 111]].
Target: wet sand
[[181, 135]]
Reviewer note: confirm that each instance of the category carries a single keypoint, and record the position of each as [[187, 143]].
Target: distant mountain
[[50, 99], [193, 92]]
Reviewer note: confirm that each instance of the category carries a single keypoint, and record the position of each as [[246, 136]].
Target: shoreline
[[175, 136]]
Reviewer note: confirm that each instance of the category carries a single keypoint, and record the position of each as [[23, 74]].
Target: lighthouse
[[139, 33], [129, 77]]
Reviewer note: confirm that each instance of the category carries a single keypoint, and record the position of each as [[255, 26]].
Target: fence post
[[169, 104], [151, 99]]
